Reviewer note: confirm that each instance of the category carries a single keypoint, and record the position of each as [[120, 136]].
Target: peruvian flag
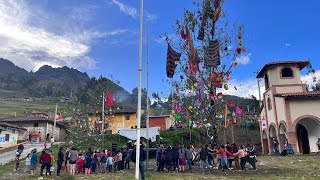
[[109, 101]]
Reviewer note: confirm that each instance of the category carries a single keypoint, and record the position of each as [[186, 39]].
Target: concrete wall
[[280, 109], [13, 137], [118, 121], [290, 89], [301, 107], [274, 74]]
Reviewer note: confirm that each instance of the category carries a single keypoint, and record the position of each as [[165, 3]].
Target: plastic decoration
[[178, 116], [227, 77], [240, 43], [240, 36], [239, 111], [220, 96], [234, 120], [232, 104], [196, 85], [238, 50], [226, 87], [190, 108], [235, 64], [179, 109]]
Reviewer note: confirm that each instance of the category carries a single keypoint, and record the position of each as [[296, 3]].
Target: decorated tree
[[203, 55]]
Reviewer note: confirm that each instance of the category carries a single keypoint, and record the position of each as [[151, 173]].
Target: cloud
[[244, 59], [131, 11], [245, 88], [30, 37], [249, 87], [287, 44], [308, 78], [150, 17]]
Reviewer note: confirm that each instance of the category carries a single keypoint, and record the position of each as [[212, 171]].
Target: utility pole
[[55, 121], [148, 106], [103, 118], [139, 94], [260, 100]]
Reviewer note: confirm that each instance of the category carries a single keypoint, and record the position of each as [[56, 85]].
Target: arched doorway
[[307, 132], [272, 134], [282, 136], [265, 146], [303, 139]]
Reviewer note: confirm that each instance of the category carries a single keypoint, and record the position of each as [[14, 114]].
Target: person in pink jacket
[[242, 157]]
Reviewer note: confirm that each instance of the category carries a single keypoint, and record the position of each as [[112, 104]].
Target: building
[[162, 121], [289, 110], [38, 122], [115, 119], [10, 134]]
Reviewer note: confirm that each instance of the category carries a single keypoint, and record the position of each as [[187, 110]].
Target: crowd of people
[[169, 158], [176, 157], [78, 161]]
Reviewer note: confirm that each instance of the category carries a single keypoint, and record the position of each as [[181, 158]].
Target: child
[[88, 163], [80, 163], [45, 144], [17, 161], [28, 162], [52, 161], [103, 162], [110, 162], [115, 158], [94, 163], [120, 161]]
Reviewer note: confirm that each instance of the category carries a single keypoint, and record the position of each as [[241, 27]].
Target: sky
[[102, 37]]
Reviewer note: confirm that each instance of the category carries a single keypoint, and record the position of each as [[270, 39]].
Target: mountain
[[7, 67], [70, 76]]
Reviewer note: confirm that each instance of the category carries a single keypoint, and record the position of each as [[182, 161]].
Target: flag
[[173, 58], [212, 54], [109, 101]]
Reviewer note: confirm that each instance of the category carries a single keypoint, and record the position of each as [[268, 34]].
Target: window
[[7, 137], [266, 81], [286, 73], [128, 118], [35, 124], [269, 104]]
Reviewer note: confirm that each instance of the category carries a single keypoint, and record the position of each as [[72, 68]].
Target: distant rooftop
[[301, 64]]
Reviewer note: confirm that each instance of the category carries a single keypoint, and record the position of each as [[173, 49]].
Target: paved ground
[[7, 156]]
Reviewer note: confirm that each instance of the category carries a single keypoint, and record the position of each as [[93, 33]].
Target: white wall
[[280, 109], [270, 113], [300, 107], [13, 137], [289, 89]]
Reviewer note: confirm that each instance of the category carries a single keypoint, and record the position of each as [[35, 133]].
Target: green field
[[10, 107]]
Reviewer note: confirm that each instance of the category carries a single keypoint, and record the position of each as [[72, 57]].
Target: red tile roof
[[297, 94], [301, 64]]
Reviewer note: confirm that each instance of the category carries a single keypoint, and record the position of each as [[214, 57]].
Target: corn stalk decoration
[[203, 55]]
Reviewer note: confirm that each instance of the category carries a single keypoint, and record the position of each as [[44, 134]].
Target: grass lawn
[[269, 167], [10, 107]]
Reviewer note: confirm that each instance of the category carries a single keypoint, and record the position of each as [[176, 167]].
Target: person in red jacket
[[45, 160], [80, 163]]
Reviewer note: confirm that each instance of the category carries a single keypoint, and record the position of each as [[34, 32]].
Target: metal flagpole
[[139, 95], [55, 121], [148, 105], [103, 118]]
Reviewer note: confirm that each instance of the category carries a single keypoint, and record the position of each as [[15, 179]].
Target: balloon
[[179, 109], [178, 116], [238, 111]]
